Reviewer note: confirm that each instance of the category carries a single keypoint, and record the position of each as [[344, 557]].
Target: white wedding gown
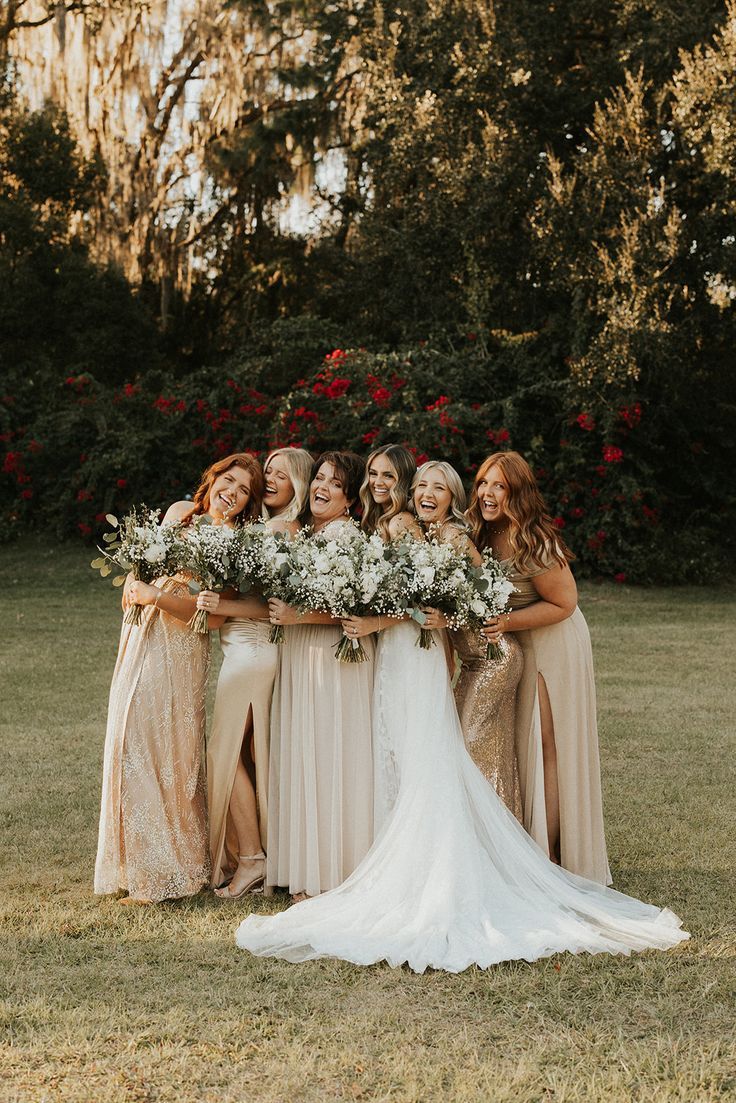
[[452, 879]]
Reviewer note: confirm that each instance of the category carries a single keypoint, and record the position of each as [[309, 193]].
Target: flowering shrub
[[86, 448]]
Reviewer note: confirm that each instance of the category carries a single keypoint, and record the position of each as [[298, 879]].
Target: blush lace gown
[[452, 879]]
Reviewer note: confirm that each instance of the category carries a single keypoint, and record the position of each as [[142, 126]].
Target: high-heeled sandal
[[252, 885]]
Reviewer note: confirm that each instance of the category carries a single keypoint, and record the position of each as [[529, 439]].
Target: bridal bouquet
[[330, 573], [492, 590], [434, 574], [274, 570], [209, 553], [140, 546]]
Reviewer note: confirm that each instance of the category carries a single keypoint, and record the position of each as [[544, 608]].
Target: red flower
[[381, 396], [601, 535], [84, 495], [558, 522], [337, 388], [70, 380], [422, 457], [631, 415], [130, 389], [443, 400], [261, 410], [370, 436], [201, 405], [26, 494], [612, 453], [34, 446], [620, 577], [163, 404], [472, 336], [651, 515], [586, 421], [233, 385], [11, 462], [577, 512], [84, 529], [181, 406], [335, 356], [498, 436], [121, 483], [100, 517]]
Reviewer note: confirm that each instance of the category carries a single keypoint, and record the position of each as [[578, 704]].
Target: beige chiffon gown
[[320, 807], [245, 685], [153, 821], [485, 695], [562, 654]]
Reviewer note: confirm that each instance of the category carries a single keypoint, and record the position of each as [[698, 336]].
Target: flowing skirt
[[452, 879], [320, 811], [562, 654], [244, 686], [153, 822]]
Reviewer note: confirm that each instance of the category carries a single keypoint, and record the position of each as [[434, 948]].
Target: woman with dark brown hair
[[556, 728], [320, 807], [153, 822]]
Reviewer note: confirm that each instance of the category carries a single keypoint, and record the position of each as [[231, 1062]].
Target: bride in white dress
[[452, 879]]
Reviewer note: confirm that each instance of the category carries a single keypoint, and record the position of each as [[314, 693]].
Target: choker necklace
[[498, 531]]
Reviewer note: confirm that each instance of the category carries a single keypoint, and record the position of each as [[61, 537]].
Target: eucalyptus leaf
[[418, 616], [118, 580], [108, 537], [111, 519], [106, 570], [99, 562]]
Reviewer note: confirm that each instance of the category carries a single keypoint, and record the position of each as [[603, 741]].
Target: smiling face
[[432, 497], [230, 493], [327, 497], [382, 478], [493, 491], [279, 487]]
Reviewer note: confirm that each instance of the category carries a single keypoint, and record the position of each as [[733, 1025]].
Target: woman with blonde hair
[[452, 878], [238, 748], [556, 729], [153, 823]]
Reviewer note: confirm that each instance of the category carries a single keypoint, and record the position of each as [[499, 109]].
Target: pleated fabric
[[320, 817]]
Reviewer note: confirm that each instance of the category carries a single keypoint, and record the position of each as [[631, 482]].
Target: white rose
[[155, 553], [478, 607]]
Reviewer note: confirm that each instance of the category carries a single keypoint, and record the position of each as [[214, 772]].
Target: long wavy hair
[[299, 464], [532, 533], [201, 499], [349, 470], [375, 518], [454, 485]]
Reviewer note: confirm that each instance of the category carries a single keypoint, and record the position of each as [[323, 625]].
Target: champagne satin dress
[[245, 685], [485, 695], [153, 820], [562, 654]]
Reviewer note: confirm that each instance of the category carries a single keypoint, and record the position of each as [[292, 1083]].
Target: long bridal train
[[452, 879]]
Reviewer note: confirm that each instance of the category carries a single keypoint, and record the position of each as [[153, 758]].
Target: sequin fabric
[[485, 695], [153, 821]]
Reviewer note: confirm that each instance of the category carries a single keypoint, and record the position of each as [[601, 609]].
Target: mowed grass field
[[103, 1003]]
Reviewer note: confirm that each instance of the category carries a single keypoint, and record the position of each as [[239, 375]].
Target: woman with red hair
[[556, 728], [153, 822]]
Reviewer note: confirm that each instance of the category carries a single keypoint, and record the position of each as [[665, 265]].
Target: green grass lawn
[[103, 1003]]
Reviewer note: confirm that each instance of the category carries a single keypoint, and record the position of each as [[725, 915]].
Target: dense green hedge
[[79, 449]]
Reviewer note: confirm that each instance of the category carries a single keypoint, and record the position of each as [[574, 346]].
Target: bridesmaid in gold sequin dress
[[238, 746], [153, 823], [485, 695], [556, 727]]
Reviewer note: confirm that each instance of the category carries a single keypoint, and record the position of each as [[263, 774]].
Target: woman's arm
[[249, 608], [281, 613], [559, 597], [140, 593], [461, 542]]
